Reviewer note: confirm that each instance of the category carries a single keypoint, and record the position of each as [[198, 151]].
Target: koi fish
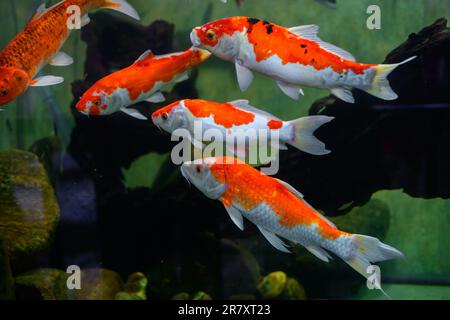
[[280, 211], [293, 57], [238, 116], [142, 81], [40, 42]]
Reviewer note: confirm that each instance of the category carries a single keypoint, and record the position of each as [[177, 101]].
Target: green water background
[[420, 228]]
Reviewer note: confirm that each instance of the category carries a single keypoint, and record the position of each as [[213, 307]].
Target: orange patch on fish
[[223, 114], [248, 188], [269, 39], [166, 109], [275, 124]]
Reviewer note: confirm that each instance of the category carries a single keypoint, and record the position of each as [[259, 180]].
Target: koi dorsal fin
[[311, 31], [40, 11], [145, 55], [244, 105], [299, 195], [291, 189]]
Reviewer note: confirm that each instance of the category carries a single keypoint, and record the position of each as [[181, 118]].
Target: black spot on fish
[[306, 51], [269, 29], [303, 45], [266, 22], [252, 21]]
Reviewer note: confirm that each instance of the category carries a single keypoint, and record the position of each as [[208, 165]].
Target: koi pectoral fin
[[61, 59], [134, 113], [274, 240], [244, 76], [46, 81], [236, 217]]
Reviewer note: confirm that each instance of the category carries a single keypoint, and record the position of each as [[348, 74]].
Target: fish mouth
[[195, 40], [156, 124]]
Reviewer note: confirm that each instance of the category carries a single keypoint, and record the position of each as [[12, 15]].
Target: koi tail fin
[[370, 250], [121, 6], [303, 134], [380, 84]]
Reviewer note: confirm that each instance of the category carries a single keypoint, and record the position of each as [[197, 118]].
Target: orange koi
[[278, 210], [142, 81], [40, 42], [293, 57]]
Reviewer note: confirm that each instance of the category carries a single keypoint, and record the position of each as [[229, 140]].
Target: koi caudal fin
[[303, 134], [370, 250], [380, 84], [121, 6]]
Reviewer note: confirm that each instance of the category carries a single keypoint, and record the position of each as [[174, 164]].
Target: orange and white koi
[[40, 42], [142, 81], [278, 210], [293, 57], [238, 117]]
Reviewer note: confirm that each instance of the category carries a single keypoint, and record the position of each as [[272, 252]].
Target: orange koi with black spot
[[236, 118], [280, 211], [293, 57], [142, 81], [40, 42]]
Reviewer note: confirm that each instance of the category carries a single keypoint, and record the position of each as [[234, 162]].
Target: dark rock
[[51, 284], [29, 211], [6, 279]]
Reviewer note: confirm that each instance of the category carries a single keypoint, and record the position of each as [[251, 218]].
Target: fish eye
[[97, 103], [3, 92], [198, 168], [210, 34], [165, 116]]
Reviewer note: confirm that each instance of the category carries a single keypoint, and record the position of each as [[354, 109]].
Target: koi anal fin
[[291, 90], [343, 94]]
